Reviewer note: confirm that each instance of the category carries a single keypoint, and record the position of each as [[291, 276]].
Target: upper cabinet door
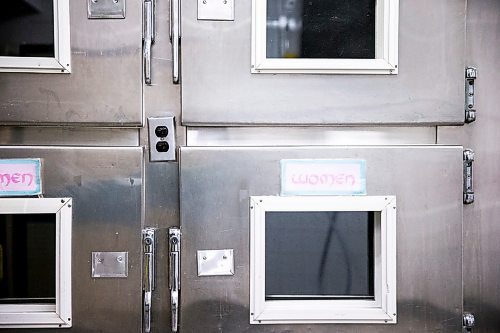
[[316, 62], [60, 67]]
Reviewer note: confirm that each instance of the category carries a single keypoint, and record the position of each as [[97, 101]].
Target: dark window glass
[[316, 255], [27, 28], [27, 258], [321, 29]]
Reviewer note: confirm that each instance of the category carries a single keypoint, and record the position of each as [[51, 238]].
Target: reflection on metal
[[148, 38], [149, 250], [309, 136], [109, 264], [174, 240], [470, 111], [175, 38], [469, 321], [106, 9], [284, 29], [216, 10], [468, 180], [215, 262]]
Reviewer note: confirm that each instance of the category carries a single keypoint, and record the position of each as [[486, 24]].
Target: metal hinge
[[470, 111], [468, 181], [468, 321]]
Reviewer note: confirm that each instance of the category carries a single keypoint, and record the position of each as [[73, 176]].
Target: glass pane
[[312, 255], [27, 28], [27, 258], [321, 29]]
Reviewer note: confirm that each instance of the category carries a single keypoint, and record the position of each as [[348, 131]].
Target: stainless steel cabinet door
[[216, 184], [104, 87], [218, 87], [106, 187]]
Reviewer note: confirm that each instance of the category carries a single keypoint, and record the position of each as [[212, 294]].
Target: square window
[[323, 260], [317, 36], [46, 51], [35, 263]]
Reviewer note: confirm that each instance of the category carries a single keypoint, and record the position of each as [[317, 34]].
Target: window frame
[[56, 315], [381, 310], [386, 47], [61, 62]]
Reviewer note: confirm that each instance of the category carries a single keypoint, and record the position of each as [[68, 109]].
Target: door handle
[[149, 37], [175, 36], [174, 239], [149, 249]]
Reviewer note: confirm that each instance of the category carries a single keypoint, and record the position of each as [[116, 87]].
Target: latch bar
[[148, 38], [149, 251], [174, 240], [468, 186]]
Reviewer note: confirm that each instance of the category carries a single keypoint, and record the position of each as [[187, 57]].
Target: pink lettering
[[16, 178], [323, 179], [29, 176]]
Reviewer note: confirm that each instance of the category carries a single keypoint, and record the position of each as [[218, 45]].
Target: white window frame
[[381, 310], [386, 47], [61, 62], [44, 315]]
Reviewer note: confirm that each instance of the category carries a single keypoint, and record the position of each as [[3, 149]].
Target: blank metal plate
[[216, 10], [106, 9], [109, 264], [215, 262]]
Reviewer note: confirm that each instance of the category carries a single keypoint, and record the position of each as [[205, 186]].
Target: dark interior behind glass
[[321, 29], [27, 258], [317, 255], [27, 28]]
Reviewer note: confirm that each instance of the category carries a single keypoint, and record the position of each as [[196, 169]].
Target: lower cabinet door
[[386, 257]]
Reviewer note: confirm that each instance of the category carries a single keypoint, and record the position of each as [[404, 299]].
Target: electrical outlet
[[161, 139]]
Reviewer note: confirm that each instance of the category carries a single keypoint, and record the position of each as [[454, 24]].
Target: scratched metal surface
[[217, 182], [106, 187], [105, 86]]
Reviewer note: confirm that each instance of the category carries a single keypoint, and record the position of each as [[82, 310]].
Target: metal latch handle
[[149, 37], [174, 239], [149, 249], [175, 38]]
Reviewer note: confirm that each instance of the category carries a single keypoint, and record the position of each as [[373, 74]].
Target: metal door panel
[[106, 187], [429, 89], [215, 187], [105, 86], [481, 227]]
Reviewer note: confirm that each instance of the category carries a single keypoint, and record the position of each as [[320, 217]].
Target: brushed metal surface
[[219, 89], [68, 136], [104, 88], [215, 187], [105, 184], [303, 136], [481, 227]]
